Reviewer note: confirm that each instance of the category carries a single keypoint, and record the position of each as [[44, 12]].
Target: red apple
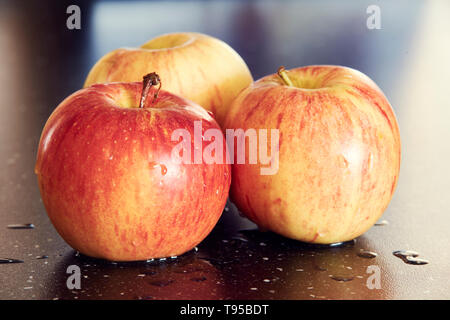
[[339, 153], [109, 183]]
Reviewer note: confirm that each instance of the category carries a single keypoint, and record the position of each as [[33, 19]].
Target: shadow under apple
[[185, 277], [264, 265]]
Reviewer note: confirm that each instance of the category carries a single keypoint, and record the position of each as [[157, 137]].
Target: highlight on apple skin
[[195, 66], [339, 153], [109, 184]]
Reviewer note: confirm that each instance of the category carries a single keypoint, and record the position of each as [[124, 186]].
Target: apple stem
[[151, 79], [282, 73]]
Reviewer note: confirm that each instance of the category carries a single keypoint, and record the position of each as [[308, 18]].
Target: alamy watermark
[[74, 20], [374, 20], [374, 280], [74, 280], [258, 151]]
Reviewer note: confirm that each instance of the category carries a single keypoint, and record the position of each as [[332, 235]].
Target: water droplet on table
[[161, 283], [240, 238], [416, 261], [198, 279], [405, 253], [410, 257], [341, 278], [9, 260], [382, 223], [367, 254], [21, 226]]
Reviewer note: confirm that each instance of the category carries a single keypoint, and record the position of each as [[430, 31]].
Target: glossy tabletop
[[42, 62]]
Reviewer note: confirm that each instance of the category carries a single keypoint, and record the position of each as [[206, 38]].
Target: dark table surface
[[409, 58]]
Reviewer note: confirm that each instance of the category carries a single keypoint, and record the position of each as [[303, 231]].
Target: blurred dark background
[[42, 62]]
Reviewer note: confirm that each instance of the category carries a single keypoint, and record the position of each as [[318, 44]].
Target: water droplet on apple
[[155, 165], [370, 161], [344, 161], [163, 169]]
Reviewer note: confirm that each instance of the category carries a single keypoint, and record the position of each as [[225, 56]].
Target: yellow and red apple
[[195, 66], [109, 181], [339, 153]]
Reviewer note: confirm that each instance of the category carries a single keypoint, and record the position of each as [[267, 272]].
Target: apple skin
[[198, 67], [109, 184], [339, 154]]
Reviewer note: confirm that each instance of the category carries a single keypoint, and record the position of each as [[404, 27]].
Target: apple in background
[[195, 66], [339, 153], [109, 183]]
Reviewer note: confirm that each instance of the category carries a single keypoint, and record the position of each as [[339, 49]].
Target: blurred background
[[42, 62]]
